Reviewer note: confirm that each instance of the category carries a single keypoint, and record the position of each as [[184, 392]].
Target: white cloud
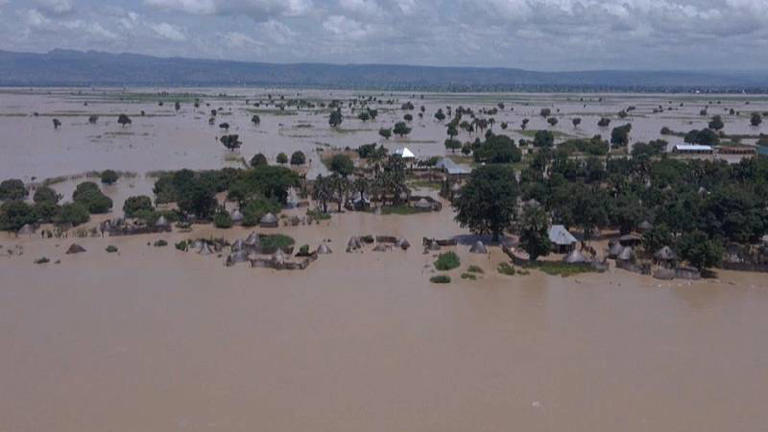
[[169, 31], [56, 7], [257, 9]]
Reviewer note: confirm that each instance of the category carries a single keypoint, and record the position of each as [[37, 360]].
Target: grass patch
[[554, 268], [318, 215], [475, 269], [506, 269], [531, 133], [273, 242], [441, 279], [447, 261], [424, 184]]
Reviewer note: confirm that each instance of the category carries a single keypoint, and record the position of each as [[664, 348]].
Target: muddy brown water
[[153, 339]]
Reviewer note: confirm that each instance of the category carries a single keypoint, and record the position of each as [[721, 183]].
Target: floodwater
[[154, 339], [165, 139]]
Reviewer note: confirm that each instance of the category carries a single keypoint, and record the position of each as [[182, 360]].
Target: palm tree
[[322, 191]]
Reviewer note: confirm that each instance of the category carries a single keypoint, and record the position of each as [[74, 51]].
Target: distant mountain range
[[77, 68]]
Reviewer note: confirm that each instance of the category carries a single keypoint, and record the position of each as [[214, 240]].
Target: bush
[[298, 158], [506, 269], [46, 194], [468, 276], [13, 189], [182, 246], [447, 261], [136, 204], [74, 214], [109, 177], [440, 279], [43, 260], [111, 249], [161, 243], [222, 219], [475, 269]]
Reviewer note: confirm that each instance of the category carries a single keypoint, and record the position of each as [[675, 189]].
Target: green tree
[[336, 118], [298, 158], [487, 202], [282, 158], [123, 120], [534, 232], [342, 165], [73, 213], [401, 129], [258, 159], [544, 138], [322, 191], [386, 133], [716, 123], [552, 121], [231, 142], [136, 204], [756, 119], [699, 250], [576, 122], [46, 194], [620, 135], [498, 149], [439, 115], [452, 145], [16, 214], [256, 120], [13, 189], [109, 177]]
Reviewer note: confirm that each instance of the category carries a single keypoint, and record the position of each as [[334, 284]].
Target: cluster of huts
[[380, 243], [252, 250]]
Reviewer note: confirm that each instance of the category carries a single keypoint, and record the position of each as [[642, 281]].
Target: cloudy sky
[[531, 34]]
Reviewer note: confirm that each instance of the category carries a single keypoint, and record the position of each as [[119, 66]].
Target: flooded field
[[155, 339]]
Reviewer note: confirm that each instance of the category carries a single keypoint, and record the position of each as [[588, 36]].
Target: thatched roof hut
[[239, 256], [253, 240], [26, 230], [75, 249], [162, 222], [478, 248], [238, 245], [665, 254], [205, 250], [403, 243], [269, 220], [628, 254], [278, 258], [645, 226], [354, 243], [324, 250], [381, 247], [575, 257], [631, 239], [237, 217], [615, 250]]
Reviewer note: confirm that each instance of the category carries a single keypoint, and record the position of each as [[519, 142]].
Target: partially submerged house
[[562, 240], [692, 149]]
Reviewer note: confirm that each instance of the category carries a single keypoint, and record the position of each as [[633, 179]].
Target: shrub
[[43, 260], [161, 243], [222, 219], [440, 279], [109, 177], [182, 245], [475, 269], [111, 249], [506, 269], [468, 276], [447, 261], [12, 189]]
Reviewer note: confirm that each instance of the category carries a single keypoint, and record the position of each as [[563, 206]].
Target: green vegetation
[[475, 269], [447, 261], [136, 205], [440, 279], [488, 201], [90, 196], [160, 243], [557, 268], [468, 276], [273, 242], [506, 269], [402, 210], [109, 177], [222, 219], [111, 249], [498, 149], [12, 189]]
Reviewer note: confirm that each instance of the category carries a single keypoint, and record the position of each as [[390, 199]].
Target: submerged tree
[[534, 232], [335, 119], [487, 202], [231, 142], [123, 120]]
